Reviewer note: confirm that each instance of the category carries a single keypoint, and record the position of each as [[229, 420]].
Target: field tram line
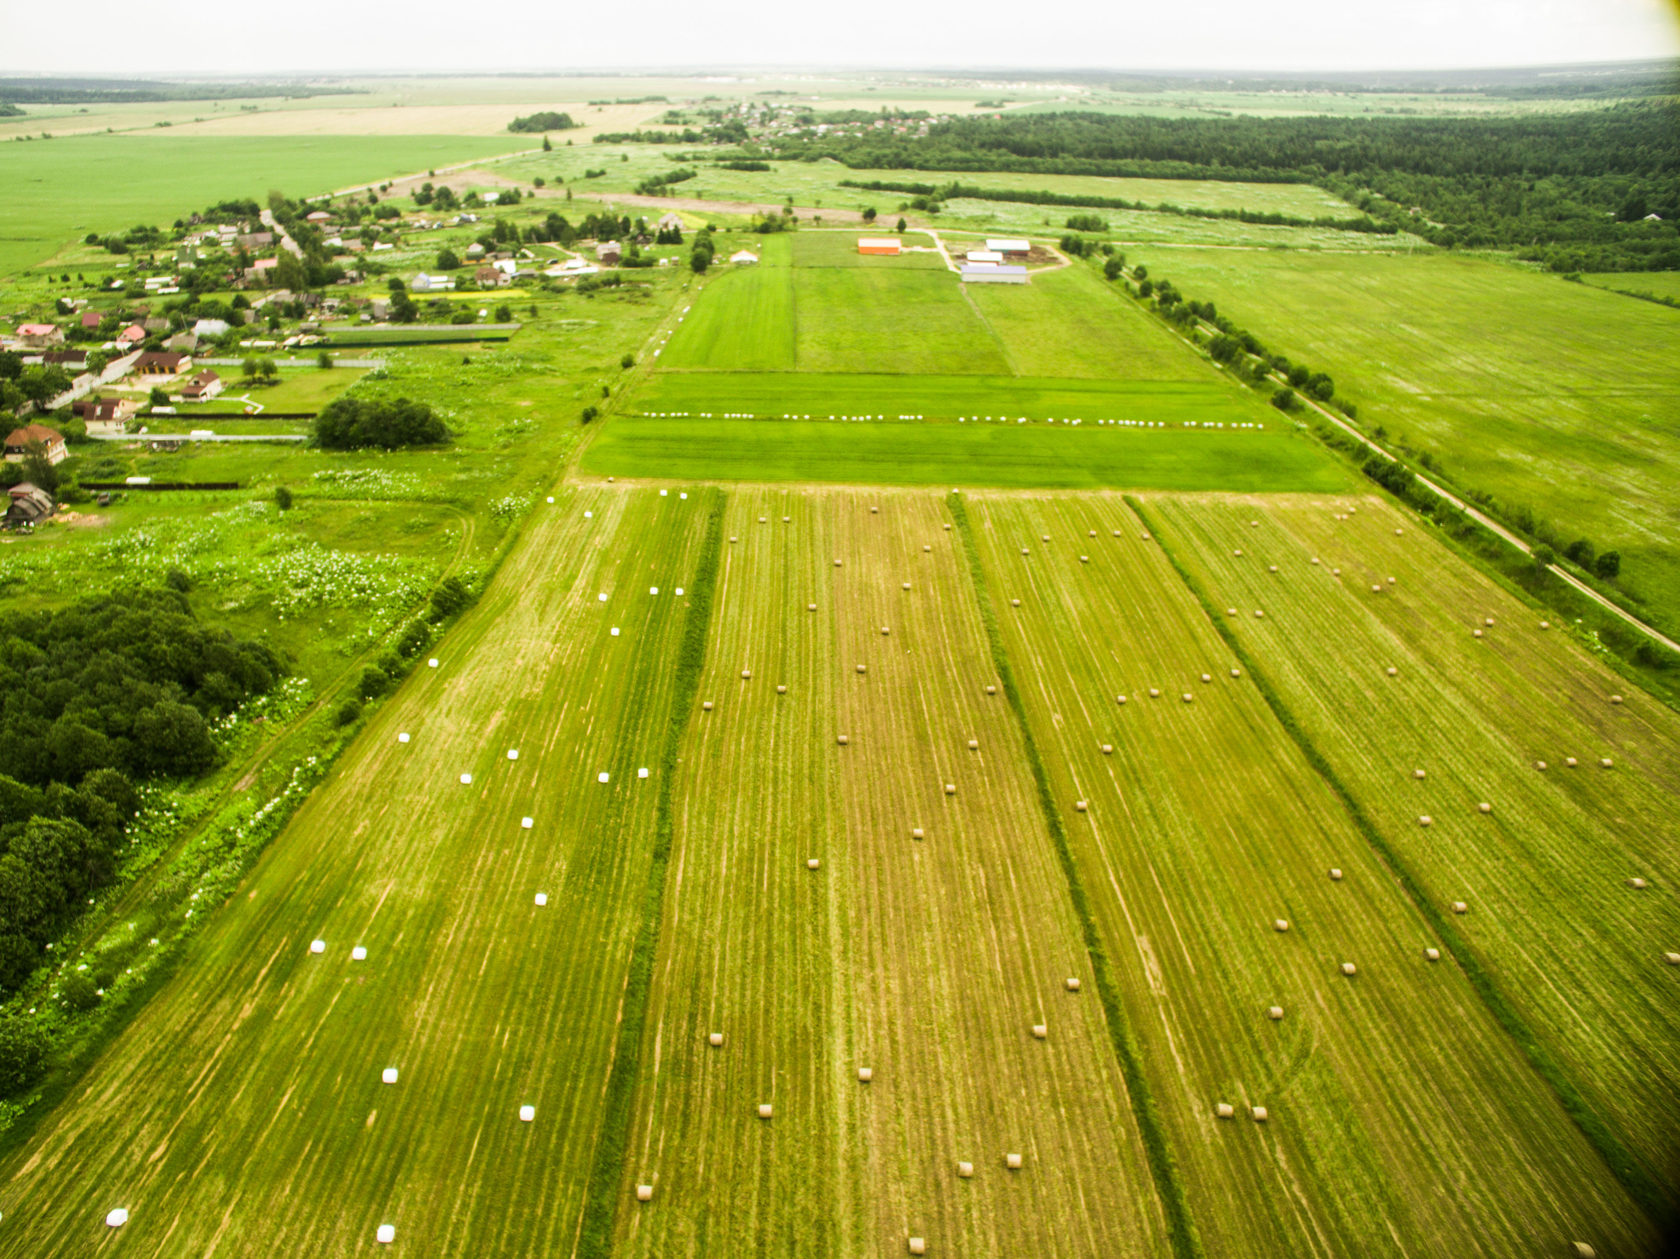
[[1641, 1184], [1181, 1229]]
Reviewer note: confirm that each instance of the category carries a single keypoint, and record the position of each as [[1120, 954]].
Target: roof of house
[[205, 377], [1008, 246], [92, 318], [36, 329], [33, 433], [134, 332], [744, 255], [165, 359]]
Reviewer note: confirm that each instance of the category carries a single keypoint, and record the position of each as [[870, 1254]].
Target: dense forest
[[94, 698], [1573, 190]]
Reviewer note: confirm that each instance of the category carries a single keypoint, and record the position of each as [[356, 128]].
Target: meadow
[[1569, 411]]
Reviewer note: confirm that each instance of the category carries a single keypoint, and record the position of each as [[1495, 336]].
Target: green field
[[1653, 283], [59, 190], [1571, 409]]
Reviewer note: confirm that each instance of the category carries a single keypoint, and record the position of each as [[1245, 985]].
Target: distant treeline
[[731, 132], [37, 91], [1571, 190], [658, 185], [972, 192], [546, 120]]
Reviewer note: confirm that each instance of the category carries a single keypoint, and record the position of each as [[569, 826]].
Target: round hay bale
[[1044, 537], [1542, 764], [1014, 603], [1637, 883], [915, 832], [1673, 959], [388, 1075], [733, 540], [1568, 761], [1224, 1110], [1116, 533], [1376, 590], [865, 1074], [1476, 633], [715, 1040], [1606, 762], [1426, 820], [1207, 677], [1084, 559], [974, 745], [1040, 1031], [317, 946], [1154, 693], [1258, 613], [541, 899], [1484, 807], [837, 563], [906, 586], [1254, 524], [1108, 749], [403, 737], [947, 527], [1012, 1162], [1144, 535], [1236, 673], [706, 705], [466, 780], [764, 1110], [1459, 907], [1335, 572], [1545, 625], [1079, 806], [1230, 611], [812, 863], [385, 1234], [1391, 581], [781, 688], [990, 689], [1024, 551], [116, 1217], [810, 607], [1335, 874], [1259, 1114], [1280, 924], [527, 1114], [1393, 672], [1314, 559], [1434, 955], [1275, 1013], [918, 1246], [1418, 773], [1091, 534], [764, 520], [1119, 699], [885, 630], [746, 674], [603, 777], [513, 754], [1348, 968], [843, 740], [950, 789], [432, 663], [787, 520], [1398, 532], [1615, 699], [644, 1193], [863, 668], [1189, 698], [1236, 553], [1488, 621], [1072, 983], [526, 823], [965, 1170]]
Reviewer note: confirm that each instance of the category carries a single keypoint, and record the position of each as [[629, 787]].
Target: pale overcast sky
[[118, 36]]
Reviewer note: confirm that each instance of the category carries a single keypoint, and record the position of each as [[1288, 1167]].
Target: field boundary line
[[1169, 1187], [1628, 1169], [598, 1220]]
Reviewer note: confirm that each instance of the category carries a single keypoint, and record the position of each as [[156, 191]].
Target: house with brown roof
[[19, 440], [490, 278], [28, 504], [91, 319], [107, 417], [202, 387], [162, 363]]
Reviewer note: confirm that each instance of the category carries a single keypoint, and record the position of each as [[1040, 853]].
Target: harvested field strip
[[1551, 919], [927, 961], [243, 1111], [600, 1206], [1202, 826]]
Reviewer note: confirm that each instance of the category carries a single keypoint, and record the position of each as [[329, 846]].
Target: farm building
[[424, 283], [490, 277], [668, 223], [161, 363], [19, 440], [985, 257], [743, 257], [991, 273], [38, 336], [202, 387], [609, 251], [1011, 248], [887, 245], [29, 503]]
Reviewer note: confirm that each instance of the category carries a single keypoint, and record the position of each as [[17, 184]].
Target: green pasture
[[1558, 397], [960, 454], [59, 190], [297, 389], [1639, 283]]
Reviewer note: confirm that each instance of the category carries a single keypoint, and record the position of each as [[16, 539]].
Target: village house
[[106, 417], [182, 343], [72, 361], [424, 283], [158, 366], [28, 505], [489, 277], [202, 387], [255, 240], [668, 223], [132, 335], [40, 336], [318, 216], [91, 319], [609, 251], [19, 440]]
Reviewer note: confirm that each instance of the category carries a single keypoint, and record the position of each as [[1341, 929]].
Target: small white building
[[1014, 248], [990, 257], [424, 283], [744, 257], [987, 273]]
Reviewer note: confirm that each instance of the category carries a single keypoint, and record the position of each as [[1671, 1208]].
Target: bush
[[356, 423], [374, 682], [450, 597], [348, 711], [282, 498], [80, 992], [23, 1049], [627, 362], [1284, 399], [589, 413], [1608, 565]]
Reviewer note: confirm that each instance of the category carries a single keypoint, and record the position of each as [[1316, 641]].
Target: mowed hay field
[[927, 961], [242, 1113], [1202, 827], [1544, 875], [1559, 397]]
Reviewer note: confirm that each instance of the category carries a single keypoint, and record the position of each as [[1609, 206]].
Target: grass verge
[[1627, 1167], [595, 1237], [1186, 1244]]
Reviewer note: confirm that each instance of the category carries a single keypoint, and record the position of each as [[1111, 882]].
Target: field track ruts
[[927, 961], [1551, 914], [1203, 826]]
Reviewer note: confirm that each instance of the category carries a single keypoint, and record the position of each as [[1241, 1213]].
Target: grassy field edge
[[600, 1207], [1628, 1168], [1181, 1229]]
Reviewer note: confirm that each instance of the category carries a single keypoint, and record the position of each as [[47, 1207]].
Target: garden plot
[[1482, 696], [927, 961], [244, 1110], [1197, 833]]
